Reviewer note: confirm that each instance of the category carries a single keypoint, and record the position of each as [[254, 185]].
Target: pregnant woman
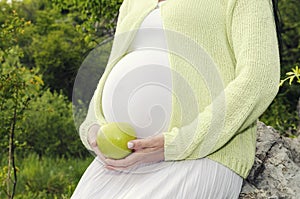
[[189, 145]]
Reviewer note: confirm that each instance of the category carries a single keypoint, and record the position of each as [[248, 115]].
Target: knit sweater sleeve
[[244, 99], [89, 121], [122, 12]]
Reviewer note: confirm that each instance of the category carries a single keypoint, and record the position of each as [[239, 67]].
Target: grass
[[47, 177]]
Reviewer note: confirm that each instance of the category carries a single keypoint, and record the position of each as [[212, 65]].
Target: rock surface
[[276, 171]]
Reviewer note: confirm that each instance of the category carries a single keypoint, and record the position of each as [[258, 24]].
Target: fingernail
[[129, 145]]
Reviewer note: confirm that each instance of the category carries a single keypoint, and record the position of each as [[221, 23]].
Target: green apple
[[112, 139]]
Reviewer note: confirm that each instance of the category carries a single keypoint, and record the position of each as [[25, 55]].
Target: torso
[[138, 88]]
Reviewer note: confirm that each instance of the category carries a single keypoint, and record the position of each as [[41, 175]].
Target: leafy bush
[[49, 127], [282, 113], [48, 177]]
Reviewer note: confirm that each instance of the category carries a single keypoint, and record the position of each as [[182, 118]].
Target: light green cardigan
[[226, 72]]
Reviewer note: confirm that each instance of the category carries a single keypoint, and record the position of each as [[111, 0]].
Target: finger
[[93, 143], [92, 136], [133, 158], [156, 156], [150, 142], [129, 160], [109, 167]]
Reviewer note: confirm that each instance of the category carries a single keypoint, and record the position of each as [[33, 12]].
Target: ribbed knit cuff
[[170, 149], [83, 132]]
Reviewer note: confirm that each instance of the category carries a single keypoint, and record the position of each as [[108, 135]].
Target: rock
[[276, 170]]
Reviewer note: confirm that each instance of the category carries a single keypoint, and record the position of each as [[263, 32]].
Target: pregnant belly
[[138, 90]]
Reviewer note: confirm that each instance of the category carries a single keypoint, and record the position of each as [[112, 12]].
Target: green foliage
[[97, 17], [11, 30], [18, 85], [292, 75], [287, 121], [48, 177], [49, 127], [280, 117], [59, 55], [290, 14], [50, 41], [57, 48], [282, 113], [31, 118]]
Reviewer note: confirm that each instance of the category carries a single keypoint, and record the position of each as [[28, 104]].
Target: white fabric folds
[[190, 179]]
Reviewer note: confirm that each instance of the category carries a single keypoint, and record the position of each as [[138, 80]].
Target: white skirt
[[201, 178]]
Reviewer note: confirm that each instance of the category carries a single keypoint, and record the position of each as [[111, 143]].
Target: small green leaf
[[291, 80], [38, 79], [281, 82]]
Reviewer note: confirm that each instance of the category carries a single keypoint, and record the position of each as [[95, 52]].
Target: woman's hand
[[145, 151], [92, 137]]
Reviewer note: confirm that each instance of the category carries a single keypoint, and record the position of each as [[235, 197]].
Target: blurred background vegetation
[[42, 45]]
